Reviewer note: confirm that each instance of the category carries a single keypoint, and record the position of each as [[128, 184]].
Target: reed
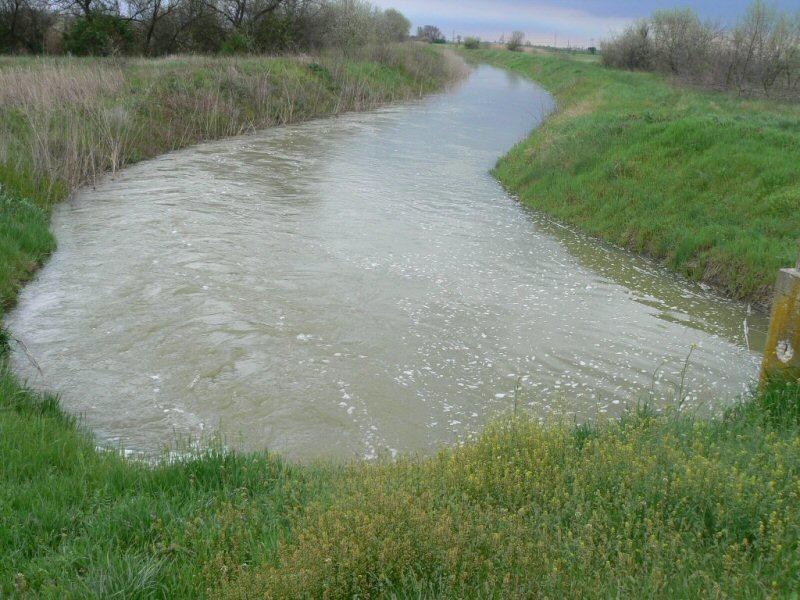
[[65, 122]]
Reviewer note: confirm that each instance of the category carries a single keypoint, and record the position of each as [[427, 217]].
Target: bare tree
[[150, 14], [240, 12], [762, 52], [681, 42], [631, 50], [429, 33], [86, 9], [516, 41]]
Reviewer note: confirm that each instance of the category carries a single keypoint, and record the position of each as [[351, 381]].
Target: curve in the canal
[[357, 285]]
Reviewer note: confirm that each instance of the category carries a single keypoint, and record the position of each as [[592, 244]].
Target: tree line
[[761, 53], [158, 27]]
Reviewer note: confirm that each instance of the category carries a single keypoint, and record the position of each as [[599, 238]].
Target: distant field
[[708, 183]]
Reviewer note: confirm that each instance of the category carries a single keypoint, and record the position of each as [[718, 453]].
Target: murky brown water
[[349, 286]]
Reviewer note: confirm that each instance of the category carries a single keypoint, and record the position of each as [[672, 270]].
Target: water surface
[[354, 286]]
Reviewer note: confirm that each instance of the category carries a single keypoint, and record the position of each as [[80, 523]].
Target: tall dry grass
[[64, 122]]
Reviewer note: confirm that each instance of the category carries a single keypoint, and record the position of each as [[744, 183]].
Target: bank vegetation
[[159, 27], [656, 504], [759, 55], [705, 182]]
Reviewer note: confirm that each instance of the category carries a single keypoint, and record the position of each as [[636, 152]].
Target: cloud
[[485, 17]]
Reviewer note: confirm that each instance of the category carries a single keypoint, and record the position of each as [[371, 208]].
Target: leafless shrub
[[681, 43], [516, 41], [761, 54], [633, 49]]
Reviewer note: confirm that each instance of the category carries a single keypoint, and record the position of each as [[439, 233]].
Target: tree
[[631, 50], [150, 14], [154, 27], [244, 12], [23, 25], [472, 43], [680, 40], [395, 27], [516, 41], [430, 34], [87, 9], [102, 35]]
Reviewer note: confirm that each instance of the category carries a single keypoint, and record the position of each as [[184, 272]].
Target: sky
[[576, 22]]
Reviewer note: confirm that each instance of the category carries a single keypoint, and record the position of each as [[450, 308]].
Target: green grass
[[653, 505], [650, 506], [78, 523], [706, 182]]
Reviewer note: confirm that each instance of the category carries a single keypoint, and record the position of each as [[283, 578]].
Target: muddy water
[[356, 286]]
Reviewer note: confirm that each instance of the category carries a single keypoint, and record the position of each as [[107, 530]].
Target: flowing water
[[354, 286]]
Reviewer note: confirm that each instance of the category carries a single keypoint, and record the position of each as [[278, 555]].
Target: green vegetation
[[78, 523], [650, 506], [653, 505], [472, 43], [706, 182], [165, 27]]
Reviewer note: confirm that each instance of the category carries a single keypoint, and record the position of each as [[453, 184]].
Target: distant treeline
[[158, 27], [761, 53]]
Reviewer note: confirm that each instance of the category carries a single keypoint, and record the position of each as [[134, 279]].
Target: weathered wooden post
[[782, 354]]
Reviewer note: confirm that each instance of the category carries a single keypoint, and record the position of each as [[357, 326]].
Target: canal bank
[[707, 183], [70, 514]]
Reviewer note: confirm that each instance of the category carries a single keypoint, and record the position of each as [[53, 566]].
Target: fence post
[[782, 353]]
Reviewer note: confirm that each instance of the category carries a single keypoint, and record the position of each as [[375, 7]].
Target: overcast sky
[[574, 21]]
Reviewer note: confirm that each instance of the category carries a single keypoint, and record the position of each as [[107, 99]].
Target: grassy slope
[[78, 523], [652, 506], [75, 522], [707, 182]]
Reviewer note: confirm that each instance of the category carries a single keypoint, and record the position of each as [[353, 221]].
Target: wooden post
[[782, 353]]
